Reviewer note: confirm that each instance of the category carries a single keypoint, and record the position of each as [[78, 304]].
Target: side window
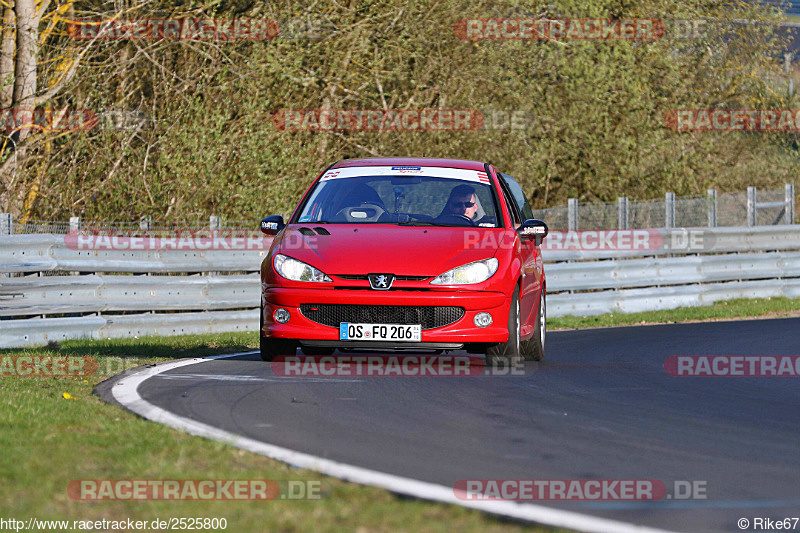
[[512, 205], [519, 196]]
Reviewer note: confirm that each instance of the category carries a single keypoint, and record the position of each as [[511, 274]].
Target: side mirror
[[534, 228], [271, 225]]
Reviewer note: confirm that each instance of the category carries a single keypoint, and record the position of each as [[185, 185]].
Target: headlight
[[470, 273], [297, 270]]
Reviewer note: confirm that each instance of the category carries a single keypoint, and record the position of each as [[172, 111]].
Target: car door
[[531, 260]]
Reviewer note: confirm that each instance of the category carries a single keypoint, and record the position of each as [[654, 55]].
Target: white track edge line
[[125, 391]]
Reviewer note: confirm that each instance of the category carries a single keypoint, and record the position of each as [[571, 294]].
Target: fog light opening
[[483, 319], [281, 315]]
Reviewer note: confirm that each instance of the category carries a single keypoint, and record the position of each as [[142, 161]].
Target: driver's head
[[463, 201]]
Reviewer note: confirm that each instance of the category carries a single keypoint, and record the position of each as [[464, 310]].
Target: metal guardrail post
[[215, 225], [74, 228], [669, 206], [572, 214], [751, 206], [6, 224], [623, 212], [789, 197], [711, 206], [145, 223], [785, 205], [6, 228]]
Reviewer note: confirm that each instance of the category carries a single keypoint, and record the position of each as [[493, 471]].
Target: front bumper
[[461, 332]]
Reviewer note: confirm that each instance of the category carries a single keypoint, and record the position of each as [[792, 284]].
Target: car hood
[[380, 248]]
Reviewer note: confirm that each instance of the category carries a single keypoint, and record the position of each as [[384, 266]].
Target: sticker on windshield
[[408, 170], [477, 176]]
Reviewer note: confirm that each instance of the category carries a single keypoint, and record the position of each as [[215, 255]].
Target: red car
[[406, 254]]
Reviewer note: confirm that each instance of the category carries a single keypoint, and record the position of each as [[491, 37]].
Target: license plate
[[380, 332]]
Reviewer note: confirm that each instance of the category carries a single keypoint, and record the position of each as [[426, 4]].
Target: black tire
[[533, 348], [507, 354], [272, 348]]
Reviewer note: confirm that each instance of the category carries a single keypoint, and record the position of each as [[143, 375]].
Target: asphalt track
[[600, 407]]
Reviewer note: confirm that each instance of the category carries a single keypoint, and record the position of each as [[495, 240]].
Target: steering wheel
[[366, 212], [456, 218]]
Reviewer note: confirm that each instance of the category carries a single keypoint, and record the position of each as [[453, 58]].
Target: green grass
[[726, 310], [48, 441]]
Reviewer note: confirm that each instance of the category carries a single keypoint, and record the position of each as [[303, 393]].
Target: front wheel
[[533, 348], [272, 348], [506, 354]]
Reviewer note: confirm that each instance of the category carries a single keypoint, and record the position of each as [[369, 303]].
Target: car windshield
[[400, 199]]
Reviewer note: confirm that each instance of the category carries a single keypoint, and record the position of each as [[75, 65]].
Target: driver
[[462, 201]]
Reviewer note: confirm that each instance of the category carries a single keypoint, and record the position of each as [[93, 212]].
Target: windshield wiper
[[421, 223]]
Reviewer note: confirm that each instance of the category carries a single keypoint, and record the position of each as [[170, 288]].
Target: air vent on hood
[[322, 231], [307, 231]]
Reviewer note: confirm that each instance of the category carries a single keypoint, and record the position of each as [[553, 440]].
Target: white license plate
[[380, 332]]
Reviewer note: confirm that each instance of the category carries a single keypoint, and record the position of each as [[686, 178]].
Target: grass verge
[[48, 440], [726, 310]]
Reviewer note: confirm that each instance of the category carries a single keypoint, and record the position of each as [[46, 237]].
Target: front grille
[[408, 289], [364, 277], [428, 316]]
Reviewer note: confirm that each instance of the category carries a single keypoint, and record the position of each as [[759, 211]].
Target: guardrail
[[50, 291], [39, 331], [39, 253]]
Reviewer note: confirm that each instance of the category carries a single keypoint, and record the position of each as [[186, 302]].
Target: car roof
[[410, 161]]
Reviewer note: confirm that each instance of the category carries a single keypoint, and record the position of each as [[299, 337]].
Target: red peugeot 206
[[406, 254]]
